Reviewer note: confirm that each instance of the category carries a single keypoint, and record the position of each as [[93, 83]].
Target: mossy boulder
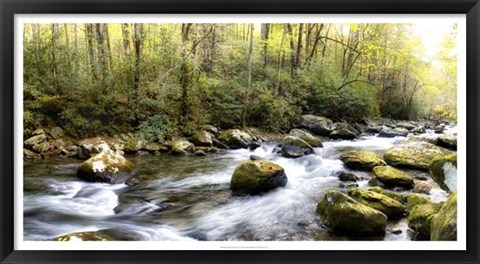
[[182, 147], [28, 154], [134, 145], [307, 137], [257, 176], [342, 134], [344, 215], [421, 187], [103, 167], [56, 132], [420, 217], [390, 207], [413, 154], [211, 129], [294, 147], [202, 138], [235, 138], [390, 133], [444, 172], [447, 141], [414, 199], [35, 140], [151, 147], [406, 124], [444, 224], [318, 125], [361, 160], [394, 195], [392, 177], [42, 147], [91, 146]]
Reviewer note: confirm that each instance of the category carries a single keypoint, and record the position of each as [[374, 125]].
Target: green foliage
[[157, 128]]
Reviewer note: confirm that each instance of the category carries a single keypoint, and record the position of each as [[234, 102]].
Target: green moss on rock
[[420, 217], [294, 147], [394, 195], [444, 224], [361, 160], [437, 170], [390, 207], [344, 215], [307, 137], [256, 176], [103, 167], [414, 199], [392, 177], [235, 138], [413, 154]]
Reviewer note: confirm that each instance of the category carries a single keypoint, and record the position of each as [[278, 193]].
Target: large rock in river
[[390, 207], [444, 171], [294, 147], [444, 224], [318, 125], [413, 154], [421, 216], [235, 138], [202, 138], [257, 176], [344, 215], [392, 177], [307, 137], [182, 147], [103, 167], [35, 140], [91, 146], [361, 160], [447, 141]]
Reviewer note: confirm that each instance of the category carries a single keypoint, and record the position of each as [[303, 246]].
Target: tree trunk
[[138, 37], [249, 79], [185, 73], [55, 35], [280, 62], [298, 56], [292, 50], [126, 38], [90, 47], [265, 35]]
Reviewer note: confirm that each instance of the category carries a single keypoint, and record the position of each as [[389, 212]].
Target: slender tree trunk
[[126, 37], [265, 36], [55, 35], [249, 79], [185, 73], [138, 37], [280, 62], [298, 56], [90, 36], [292, 50]]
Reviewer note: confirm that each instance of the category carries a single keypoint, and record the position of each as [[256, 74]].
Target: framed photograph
[[239, 131]]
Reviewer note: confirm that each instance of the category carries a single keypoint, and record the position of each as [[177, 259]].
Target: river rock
[[307, 137], [438, 129], [392, 177], [344, 215], [56, 132], [42, 147], [342, 134], [346, 176], [211, 129], [91, 146], [444, 171], [38, 131], [394, 195], [421, 187], [151, 147], [418, 130], [182, 147], [257, 176], [35, 140], [444, 224], [447, 141], [28, 154], [406, 125], [414, 199], [134, 145], [396, 132], [294, 147], [216, 143], [420, 217], [318, 125], [411, 154], [361, 160], [390, 207], [202, 138], [235, 138], [103, 167]]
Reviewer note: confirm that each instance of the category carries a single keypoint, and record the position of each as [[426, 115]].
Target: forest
[[240, 132], [169, 79]]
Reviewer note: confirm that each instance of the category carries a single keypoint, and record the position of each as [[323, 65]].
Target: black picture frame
[[9, 8]]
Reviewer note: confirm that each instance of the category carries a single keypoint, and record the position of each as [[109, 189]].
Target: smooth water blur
[[185, 198]]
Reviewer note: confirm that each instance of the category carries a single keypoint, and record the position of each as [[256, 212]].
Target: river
[[188, 198]]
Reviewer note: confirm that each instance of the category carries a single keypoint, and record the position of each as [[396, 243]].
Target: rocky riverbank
[[347, 210]]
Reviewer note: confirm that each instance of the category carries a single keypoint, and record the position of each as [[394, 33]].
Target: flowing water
[[188, 198]]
